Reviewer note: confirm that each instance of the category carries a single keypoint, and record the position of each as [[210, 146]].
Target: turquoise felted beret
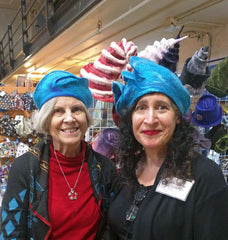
[[149, 77], [61, 83]]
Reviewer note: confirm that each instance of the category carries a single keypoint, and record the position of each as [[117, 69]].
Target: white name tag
[[174, 190]]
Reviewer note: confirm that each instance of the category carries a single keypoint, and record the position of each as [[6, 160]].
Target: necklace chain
[[72, 194]]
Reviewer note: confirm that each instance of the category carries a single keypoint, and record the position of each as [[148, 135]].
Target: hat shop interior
[[38, 36]]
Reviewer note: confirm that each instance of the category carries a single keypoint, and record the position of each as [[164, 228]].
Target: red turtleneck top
[[71, 219]]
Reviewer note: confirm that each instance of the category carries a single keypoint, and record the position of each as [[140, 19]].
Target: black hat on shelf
[[171, 57]]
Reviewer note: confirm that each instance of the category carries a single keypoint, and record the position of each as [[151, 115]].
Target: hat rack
[[215, 60], [220, 158]]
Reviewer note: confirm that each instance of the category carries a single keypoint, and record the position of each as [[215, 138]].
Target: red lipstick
[[151, 132]]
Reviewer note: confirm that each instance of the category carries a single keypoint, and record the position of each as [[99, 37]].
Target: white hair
[[41, 118]]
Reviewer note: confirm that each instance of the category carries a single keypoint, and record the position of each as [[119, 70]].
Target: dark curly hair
[[180, 149]]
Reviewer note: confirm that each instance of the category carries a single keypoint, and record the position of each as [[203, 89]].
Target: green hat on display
[[217, 83], [219, 138]]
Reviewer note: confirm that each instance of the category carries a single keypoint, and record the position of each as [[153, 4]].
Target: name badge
[[174, 190]]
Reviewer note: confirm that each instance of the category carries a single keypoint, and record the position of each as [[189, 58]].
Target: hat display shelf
[[207, 87], [211, 117], [219, 149]]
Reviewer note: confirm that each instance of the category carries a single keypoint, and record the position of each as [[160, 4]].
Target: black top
[[202, 216], [124, 211]]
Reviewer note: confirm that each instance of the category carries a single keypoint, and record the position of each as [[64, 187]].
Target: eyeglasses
[[140, 194]]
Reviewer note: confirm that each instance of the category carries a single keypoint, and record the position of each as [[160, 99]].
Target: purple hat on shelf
[[207, 112], [107, 142], [188, 116]]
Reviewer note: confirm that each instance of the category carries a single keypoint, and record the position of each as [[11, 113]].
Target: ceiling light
[[39, 76], [31, 69], [27, 64], [41, 70]]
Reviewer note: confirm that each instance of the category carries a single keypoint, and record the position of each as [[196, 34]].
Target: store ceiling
[[140, 21]]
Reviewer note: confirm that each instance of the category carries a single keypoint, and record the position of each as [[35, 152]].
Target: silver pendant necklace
[[71, 194]]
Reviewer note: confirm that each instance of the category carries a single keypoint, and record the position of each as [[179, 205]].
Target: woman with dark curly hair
[[178, 165], [166, 189]]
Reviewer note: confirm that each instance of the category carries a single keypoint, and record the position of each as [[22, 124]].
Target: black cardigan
[[24, 206], [203, 216]]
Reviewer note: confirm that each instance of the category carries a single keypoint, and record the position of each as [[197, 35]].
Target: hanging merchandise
[[217, 84], [156, 51], [171, 57], [4, 170], [24, 128], [188, 115], [100, 114], [106, 143], [202, 141], [3, 186], [7, 149], [18, 102], [6, 101], [108, 68], [207, 112], [28, 82], [7, 126], [219, 138], [195, 72], [214, 156], [28, 102], [224, 166], [224, 105], [21, 148], [20, 82], [115, 117]]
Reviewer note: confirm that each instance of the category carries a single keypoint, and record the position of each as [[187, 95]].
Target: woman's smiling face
[[68, 123], [154, 120]]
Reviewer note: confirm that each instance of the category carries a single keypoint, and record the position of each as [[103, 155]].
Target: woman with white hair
[[60, 188]]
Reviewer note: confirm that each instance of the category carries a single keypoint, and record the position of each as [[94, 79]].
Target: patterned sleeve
[[15, 203]]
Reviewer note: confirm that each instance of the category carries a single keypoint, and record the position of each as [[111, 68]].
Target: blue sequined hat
[[61, 83], [149, 77]]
